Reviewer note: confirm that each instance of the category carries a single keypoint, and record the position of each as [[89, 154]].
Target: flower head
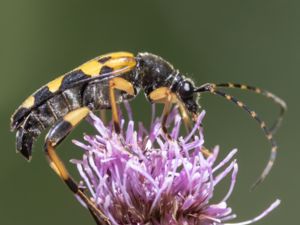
[[141, 177]]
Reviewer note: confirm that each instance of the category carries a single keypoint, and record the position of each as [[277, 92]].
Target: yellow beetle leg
[[165, 96], [118, 83], [56, 134]]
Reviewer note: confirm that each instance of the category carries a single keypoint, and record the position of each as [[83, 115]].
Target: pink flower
[[141, 177]]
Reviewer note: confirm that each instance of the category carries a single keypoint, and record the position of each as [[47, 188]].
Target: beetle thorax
[[156, 72]]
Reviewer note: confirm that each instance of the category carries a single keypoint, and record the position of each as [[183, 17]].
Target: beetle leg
[[56, 134], [165, 114], [187, 122], [165, 96], [123, 85], [185, 117]]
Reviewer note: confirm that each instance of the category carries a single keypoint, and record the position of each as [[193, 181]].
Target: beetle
[[106, 81]]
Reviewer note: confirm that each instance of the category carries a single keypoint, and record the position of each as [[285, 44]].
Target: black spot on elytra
[[106, 70], [18, 117], [72, 78], [104, 59], [42, 95], [237, 85]]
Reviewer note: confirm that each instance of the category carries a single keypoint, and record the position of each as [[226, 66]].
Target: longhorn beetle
[[106, 81]]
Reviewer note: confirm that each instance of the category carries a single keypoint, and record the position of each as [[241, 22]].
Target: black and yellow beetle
[[102, 83]]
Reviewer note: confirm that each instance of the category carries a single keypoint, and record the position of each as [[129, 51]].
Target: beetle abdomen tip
[[24, 143]]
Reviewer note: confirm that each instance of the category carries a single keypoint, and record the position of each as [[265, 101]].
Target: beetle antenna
[[276, 100], [212, 88]]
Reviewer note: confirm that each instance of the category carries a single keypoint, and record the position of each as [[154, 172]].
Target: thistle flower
[[140, 177]]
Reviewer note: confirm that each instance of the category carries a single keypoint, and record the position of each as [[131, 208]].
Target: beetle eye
[[186, 90]]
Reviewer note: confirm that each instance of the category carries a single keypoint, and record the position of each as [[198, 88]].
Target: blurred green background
[[254, 42]]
